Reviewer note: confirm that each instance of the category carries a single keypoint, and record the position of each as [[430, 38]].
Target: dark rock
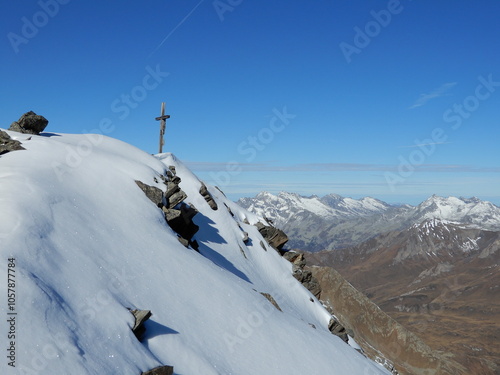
[[194, 244], [242, 252], [162, 370], [140, 317], [172, 188], [305, 277], [30, 123], [245, 237], [295, 258], [229, 210], [208, 197], [272, 300], [8, 144], [180, 220], [274, 236], [338, 329], [152, 192], [183, 241], [176, 198], [220, 191], [263, 246], [172, 169]]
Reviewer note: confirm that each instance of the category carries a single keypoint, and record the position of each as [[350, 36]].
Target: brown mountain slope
[[377, 333], [439, 280]]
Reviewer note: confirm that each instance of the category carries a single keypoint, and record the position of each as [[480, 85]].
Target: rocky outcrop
[[274, 236], [338, 329], [162, 370], [272, 300], [304, 276], [140, 317], [152, 192], [178, 215], [208, 197], [30, 123], [8, 144], [181, 221]]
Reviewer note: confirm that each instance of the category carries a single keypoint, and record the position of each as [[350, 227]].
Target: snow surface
[[88, 244]]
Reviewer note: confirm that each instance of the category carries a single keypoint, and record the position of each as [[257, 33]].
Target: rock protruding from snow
[[274, 236], [271, 299], [177, 214], [8, 144], [304, 276], [140, 317], [30, 123], [338, 329], [152, 192], [208, 197], [162, 370]]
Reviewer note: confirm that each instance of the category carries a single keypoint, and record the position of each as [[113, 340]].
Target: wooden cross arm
[[162, 117]]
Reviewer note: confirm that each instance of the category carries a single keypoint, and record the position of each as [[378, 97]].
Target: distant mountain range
[[333, 221], [434, 267]]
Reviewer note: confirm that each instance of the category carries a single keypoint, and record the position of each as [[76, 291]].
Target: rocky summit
[[29, 123]]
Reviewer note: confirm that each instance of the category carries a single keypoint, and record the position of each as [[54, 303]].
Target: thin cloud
[[436, 93], [333, 167]]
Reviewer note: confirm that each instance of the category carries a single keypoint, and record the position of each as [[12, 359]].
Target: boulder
[[274, 236], [8, 144], [176, 198], [162, 370], [152, 192], [338, 329], [180, 220], [140, 317], [30, 123]]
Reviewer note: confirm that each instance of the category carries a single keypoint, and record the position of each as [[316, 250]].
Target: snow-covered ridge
[[88, 244]]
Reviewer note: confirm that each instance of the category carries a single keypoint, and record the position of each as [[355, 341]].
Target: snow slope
[[88, 244]]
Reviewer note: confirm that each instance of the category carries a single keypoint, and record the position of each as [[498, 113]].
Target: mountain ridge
[[333, 221], [117, 231]]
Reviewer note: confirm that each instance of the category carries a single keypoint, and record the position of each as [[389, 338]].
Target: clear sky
[[397, 100]]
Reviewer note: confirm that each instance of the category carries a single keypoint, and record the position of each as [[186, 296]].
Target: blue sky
[[397, 100]]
